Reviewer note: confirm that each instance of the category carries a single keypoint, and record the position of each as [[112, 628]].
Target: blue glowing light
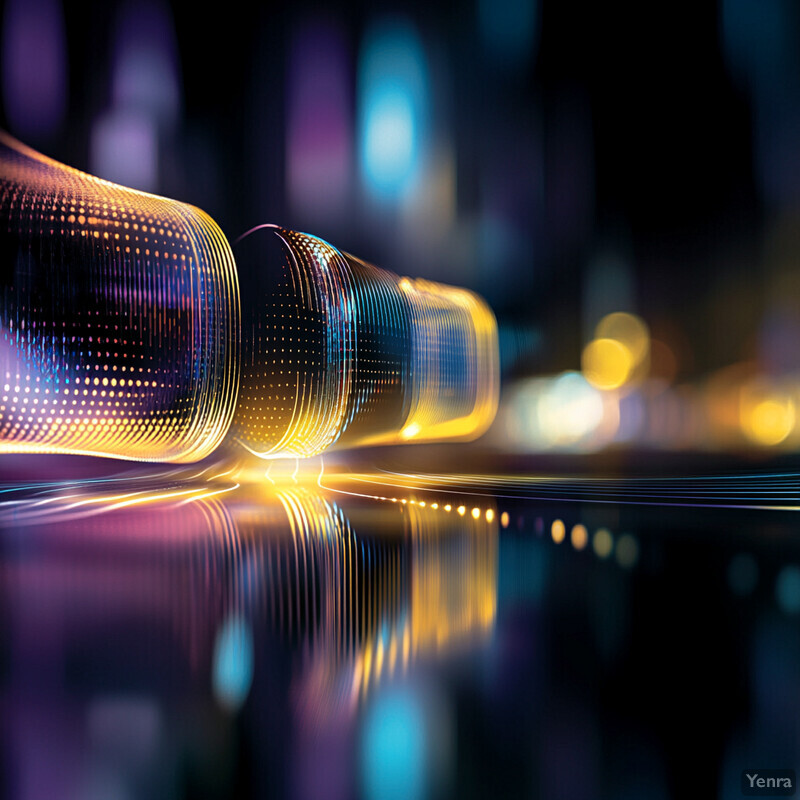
[[787, 589], [757, 43], [393, 109], [508, 29], [394, 745], [233, 663]]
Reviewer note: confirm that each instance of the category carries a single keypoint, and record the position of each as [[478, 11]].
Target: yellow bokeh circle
[[607, 363]]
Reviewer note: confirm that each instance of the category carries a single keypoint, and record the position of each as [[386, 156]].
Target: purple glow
[[146, 75], [34, 67], [125, 150], [320, 128], [777, 348]]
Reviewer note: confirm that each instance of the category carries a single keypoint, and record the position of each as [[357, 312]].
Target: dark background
[[660, 138], [576, 159]]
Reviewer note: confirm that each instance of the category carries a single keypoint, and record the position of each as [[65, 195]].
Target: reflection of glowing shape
[[627, 551], [454, 586], [743, 574], [119, 327], [364, 592], [340, 352], [787, 589], [603, 543], [233, 663], [366, 607], [579, 537], [395, 747], [159, 559], [392, 99]]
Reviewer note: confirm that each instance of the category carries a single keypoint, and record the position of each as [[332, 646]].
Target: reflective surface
[[219, 631]]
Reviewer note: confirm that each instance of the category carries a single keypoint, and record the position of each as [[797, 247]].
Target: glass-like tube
[[119, 317], [339, 352]]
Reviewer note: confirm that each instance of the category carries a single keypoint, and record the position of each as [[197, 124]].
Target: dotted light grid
[[120, 317], [345, 353]]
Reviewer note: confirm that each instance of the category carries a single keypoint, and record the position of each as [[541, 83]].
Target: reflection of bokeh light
[[603, 543], [607, 363], [453, 591], [627, 551], [558, 531], [742, 574], [233, 663], [504, 519], [392, 109], [787, 589], [628, 330], [579, 537], [769, 421], [394, 748]]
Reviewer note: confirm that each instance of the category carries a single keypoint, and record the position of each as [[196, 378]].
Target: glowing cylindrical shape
[[119, 317], [339, 352]]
